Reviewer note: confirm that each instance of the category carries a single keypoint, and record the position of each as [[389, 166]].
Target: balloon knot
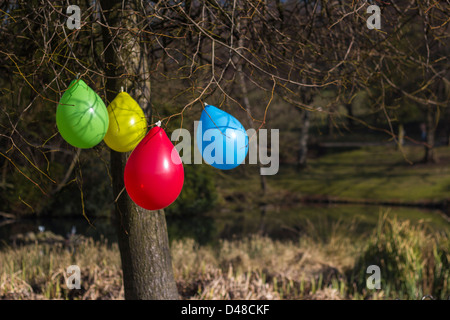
[[158, 123]]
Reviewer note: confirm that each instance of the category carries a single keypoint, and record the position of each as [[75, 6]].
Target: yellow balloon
[[127, 123]]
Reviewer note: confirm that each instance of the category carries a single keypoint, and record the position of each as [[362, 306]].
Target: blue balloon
[[221, 139]]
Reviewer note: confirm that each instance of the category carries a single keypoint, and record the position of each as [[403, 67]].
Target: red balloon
[[154, 173]]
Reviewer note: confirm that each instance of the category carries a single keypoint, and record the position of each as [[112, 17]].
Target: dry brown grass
[[38, 271], [315, 267], [254, 268]]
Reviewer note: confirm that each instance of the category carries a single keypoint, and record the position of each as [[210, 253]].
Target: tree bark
[[401, 136], [303, 150], [142, 234], [143, 244], [246, 101], [330, 124], [430, 156], [350, 121]]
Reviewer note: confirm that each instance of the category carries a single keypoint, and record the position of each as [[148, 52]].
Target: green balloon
[[81, 116]]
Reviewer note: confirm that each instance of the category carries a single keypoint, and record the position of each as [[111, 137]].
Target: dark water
[[102, 228], [277, 223]]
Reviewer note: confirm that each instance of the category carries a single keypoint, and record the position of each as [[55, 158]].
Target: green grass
[[377, 173], [413, 261]]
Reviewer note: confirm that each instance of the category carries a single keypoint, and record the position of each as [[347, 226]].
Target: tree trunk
[[303, 150], [447, 128], [350, 121], [246, 101], [143, 244], [330, 124], [401, 137], [142, 234], [447, 136], [243, 85], [430, 156]]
